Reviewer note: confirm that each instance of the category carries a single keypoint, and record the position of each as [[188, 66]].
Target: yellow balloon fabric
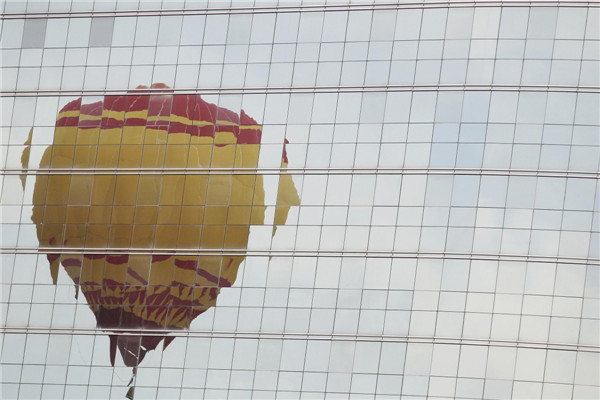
[[161, 209]]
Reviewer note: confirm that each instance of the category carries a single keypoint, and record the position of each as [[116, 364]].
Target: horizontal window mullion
[[280, 9], [301, 253], [306, 89], [306, 171], [191, 333]]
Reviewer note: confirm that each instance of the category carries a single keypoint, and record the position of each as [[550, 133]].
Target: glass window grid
[[464, 382]]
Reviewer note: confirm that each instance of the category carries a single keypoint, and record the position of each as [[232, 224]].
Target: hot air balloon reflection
[[92, 210]]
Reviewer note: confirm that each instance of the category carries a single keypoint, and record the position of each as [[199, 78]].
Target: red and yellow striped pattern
[[151, 130]]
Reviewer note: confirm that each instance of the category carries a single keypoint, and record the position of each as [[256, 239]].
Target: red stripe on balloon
[[94, 109], [136, 276], [186, 264], [71, 262], [67, 121], [191, 107], [117, 259]]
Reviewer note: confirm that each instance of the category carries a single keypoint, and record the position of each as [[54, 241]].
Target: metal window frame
[[440, 87], [304, 8]]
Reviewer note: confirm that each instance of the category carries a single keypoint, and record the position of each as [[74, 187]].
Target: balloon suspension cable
[[131, 385]]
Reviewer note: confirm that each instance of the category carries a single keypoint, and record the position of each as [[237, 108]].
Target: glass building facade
[[300, 200]]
